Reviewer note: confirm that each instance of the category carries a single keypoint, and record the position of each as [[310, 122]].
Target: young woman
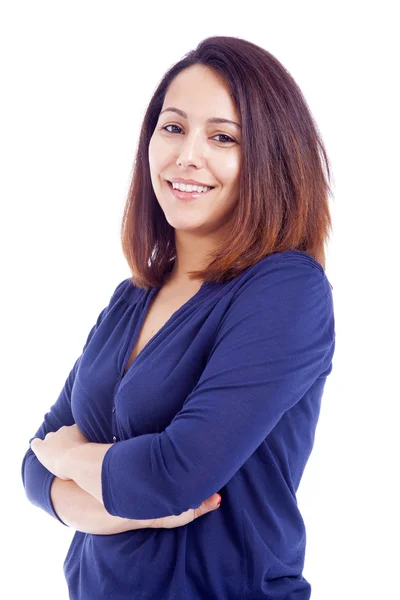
[[203, 376]]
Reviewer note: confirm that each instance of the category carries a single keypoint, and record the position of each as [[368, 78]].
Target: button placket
[[113, 409]]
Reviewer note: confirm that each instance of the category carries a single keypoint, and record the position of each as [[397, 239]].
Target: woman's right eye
[[165, 127]]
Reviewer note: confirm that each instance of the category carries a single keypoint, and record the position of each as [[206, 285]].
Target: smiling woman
[[206, 370], [227, 115]]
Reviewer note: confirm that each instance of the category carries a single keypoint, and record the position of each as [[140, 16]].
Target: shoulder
[[284, 288], [123, 291], [284, 303], [290, 259], [284, 271]]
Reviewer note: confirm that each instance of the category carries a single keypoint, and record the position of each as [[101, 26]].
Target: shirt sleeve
[[276, 338], [36, 478]]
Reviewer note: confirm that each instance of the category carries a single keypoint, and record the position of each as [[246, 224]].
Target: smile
[[187, 195]]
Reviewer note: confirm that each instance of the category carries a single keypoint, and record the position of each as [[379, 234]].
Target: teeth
[[190, 188]]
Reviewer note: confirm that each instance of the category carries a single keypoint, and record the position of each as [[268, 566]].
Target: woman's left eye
[[222, 135]]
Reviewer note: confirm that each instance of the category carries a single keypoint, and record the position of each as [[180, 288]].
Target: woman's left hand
[[52, 450]]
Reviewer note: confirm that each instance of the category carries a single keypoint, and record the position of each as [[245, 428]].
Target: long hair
[[284, 173]]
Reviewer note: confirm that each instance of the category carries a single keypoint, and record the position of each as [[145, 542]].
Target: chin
[[185, 224]]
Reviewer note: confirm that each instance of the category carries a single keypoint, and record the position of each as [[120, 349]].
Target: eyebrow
[[212, 120]]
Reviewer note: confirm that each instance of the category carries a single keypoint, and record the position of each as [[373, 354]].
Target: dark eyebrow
[[212, 120]]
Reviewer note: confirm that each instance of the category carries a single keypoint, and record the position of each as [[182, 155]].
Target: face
[[188, 146]]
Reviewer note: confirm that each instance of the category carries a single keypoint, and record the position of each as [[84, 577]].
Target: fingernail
[[219, 501]]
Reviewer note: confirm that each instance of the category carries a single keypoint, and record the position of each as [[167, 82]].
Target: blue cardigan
[[224, 398]]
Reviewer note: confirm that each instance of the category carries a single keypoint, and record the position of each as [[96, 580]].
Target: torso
[[163, 305]]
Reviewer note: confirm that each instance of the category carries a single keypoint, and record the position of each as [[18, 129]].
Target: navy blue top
[[224, 398]]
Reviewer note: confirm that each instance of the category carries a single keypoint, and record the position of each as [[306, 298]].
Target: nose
[[191, 151]]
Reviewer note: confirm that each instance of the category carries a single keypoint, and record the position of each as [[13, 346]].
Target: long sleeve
[[275, 340], [36, 478]]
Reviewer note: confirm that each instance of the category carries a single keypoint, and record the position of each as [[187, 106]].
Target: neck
[[192, 254]]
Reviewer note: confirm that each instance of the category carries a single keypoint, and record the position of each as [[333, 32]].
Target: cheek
[[230, 170], [158, 155], [151, 152]]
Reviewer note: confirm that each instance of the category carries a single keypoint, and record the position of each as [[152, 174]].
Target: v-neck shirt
[[225, 397]]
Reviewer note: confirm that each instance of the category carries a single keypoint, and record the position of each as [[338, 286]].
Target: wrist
[[132, 524], [67, 463], [83, 464]]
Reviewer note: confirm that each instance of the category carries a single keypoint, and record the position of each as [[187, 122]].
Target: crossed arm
[[82, 512], [76, 488]]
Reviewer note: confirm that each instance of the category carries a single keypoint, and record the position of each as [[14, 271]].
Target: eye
[[165, 127], [222, 135], [225, 136]]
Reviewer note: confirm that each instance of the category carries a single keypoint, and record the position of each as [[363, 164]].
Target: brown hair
[[283, 189]]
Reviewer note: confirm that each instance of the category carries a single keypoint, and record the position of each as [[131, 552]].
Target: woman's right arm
[[79, 510]]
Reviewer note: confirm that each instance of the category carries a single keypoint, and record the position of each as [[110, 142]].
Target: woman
[[205, 372]]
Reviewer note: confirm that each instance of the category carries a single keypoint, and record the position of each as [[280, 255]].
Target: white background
[[76, 78]]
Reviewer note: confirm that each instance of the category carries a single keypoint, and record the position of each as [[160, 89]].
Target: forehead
[[201, 93]]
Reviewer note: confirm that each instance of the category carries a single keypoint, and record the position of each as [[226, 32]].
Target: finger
[[211, 503], [214, 500], [34, 443]]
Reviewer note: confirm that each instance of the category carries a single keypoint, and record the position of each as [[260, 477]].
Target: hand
[[185, 517], [52, 450]]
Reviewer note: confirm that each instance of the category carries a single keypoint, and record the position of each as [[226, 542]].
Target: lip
[[188, 182], [187, 196]]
